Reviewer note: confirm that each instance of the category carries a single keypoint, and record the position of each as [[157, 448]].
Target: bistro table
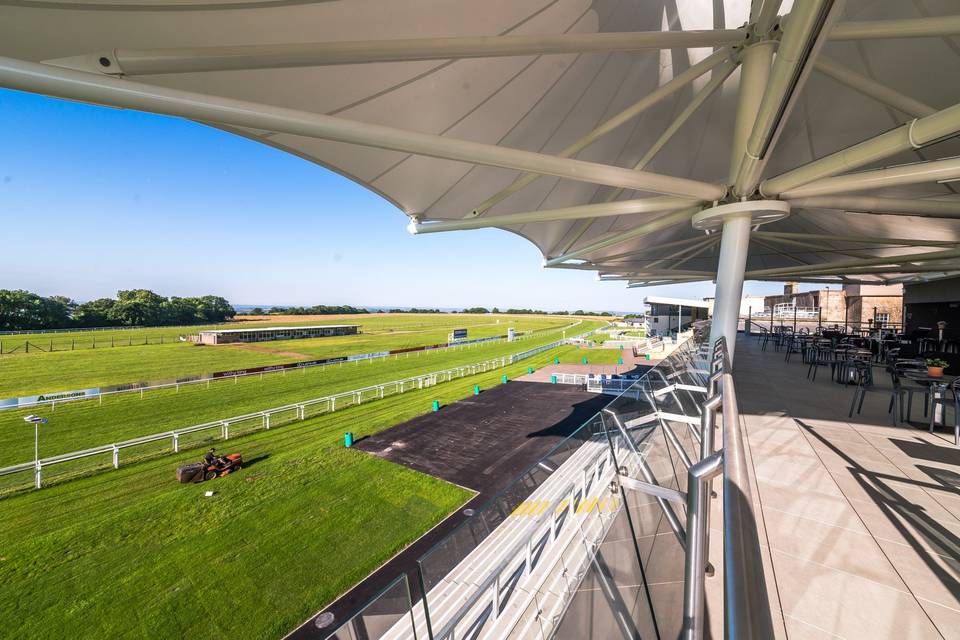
[[938, 389]]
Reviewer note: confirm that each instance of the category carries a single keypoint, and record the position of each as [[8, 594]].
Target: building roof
[[250, 329], [700, 304], [598, 98]]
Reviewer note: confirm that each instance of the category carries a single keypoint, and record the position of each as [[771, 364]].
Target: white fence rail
[[291, 412], [570, 378]]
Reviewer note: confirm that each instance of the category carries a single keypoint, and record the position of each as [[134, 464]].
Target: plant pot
[[935, 372]]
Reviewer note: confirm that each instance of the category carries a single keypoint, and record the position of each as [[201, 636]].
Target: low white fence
[[291, 412], [569, 378], [53, 399]]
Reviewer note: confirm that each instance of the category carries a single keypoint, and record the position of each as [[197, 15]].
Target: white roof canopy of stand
[[599, 130]]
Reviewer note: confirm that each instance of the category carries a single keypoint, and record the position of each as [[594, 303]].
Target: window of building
[[882, 319]]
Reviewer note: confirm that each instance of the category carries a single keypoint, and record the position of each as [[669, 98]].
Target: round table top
[[923, 376]]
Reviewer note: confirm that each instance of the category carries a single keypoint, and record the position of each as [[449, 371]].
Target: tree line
[[538, 312], [322, 309], [22, 310], [316, 310]]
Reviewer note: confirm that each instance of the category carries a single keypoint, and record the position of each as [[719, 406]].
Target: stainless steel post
[[698, 527]]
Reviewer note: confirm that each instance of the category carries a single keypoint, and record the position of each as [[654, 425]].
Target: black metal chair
[[903, 386], [793, 344], [863, 374], [822, 356]]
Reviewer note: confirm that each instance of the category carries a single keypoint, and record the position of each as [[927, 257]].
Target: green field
[[373, 322], [88, 423], [131, 554], [25, 374], [572, 355]]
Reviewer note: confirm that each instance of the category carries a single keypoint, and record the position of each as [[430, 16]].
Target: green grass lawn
[[84, 424], [572, 355], [132, 554], [372, 323], [25, 374]]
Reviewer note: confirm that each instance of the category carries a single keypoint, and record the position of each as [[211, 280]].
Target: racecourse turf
[[594, 356], [38, 372], [132, 554], [84, 424]]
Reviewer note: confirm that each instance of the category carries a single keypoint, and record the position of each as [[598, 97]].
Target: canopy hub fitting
[[760, 212]]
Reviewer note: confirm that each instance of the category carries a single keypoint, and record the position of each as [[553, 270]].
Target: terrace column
[[734, 221], [734, 244]]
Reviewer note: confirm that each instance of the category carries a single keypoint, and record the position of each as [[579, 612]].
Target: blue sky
[[95, 200]]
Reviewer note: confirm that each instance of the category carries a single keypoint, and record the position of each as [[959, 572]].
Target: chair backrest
[[864, 372], [894, 376]]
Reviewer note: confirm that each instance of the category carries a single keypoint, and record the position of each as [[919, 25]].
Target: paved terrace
[[861, 518]]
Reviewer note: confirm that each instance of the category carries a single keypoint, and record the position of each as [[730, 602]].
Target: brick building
[[857, 305]]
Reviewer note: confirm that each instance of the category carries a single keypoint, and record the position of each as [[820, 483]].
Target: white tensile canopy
[[651, 141]]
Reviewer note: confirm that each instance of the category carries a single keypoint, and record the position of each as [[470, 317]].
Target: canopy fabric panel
[[546, 102]]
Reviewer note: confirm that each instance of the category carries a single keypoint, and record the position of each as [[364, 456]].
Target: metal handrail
[[746, 607]]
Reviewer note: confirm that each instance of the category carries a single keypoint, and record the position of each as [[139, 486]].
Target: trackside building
[[265, 334]]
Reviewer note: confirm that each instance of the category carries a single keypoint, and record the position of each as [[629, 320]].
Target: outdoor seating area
[[859, 508], [900, 367]]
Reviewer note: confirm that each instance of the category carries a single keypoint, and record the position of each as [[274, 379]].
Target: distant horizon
[[501, 308]]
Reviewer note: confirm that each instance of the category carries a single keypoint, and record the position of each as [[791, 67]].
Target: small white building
[[666, 315], [264, 334]]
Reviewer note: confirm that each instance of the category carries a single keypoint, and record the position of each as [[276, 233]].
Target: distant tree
[[476, 310], [256, 311], [137, 307], [19, 309], [214, 309], [321, 310], [495, 310], [55, 312], [95, 313], [176, 310]]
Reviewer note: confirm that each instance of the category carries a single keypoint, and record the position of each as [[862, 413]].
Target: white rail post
[[226, 430], [176, 442], [266, 421], [37, 474], [116, 457]]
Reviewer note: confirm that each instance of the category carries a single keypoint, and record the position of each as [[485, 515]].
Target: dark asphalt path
[[483, 443]]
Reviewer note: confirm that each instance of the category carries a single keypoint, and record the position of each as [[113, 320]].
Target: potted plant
[[935, 367]]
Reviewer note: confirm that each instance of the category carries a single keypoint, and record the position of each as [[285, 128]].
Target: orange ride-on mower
[[212, 466]]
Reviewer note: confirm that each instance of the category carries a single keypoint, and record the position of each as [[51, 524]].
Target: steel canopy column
[[734, 244], [735, 233]]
